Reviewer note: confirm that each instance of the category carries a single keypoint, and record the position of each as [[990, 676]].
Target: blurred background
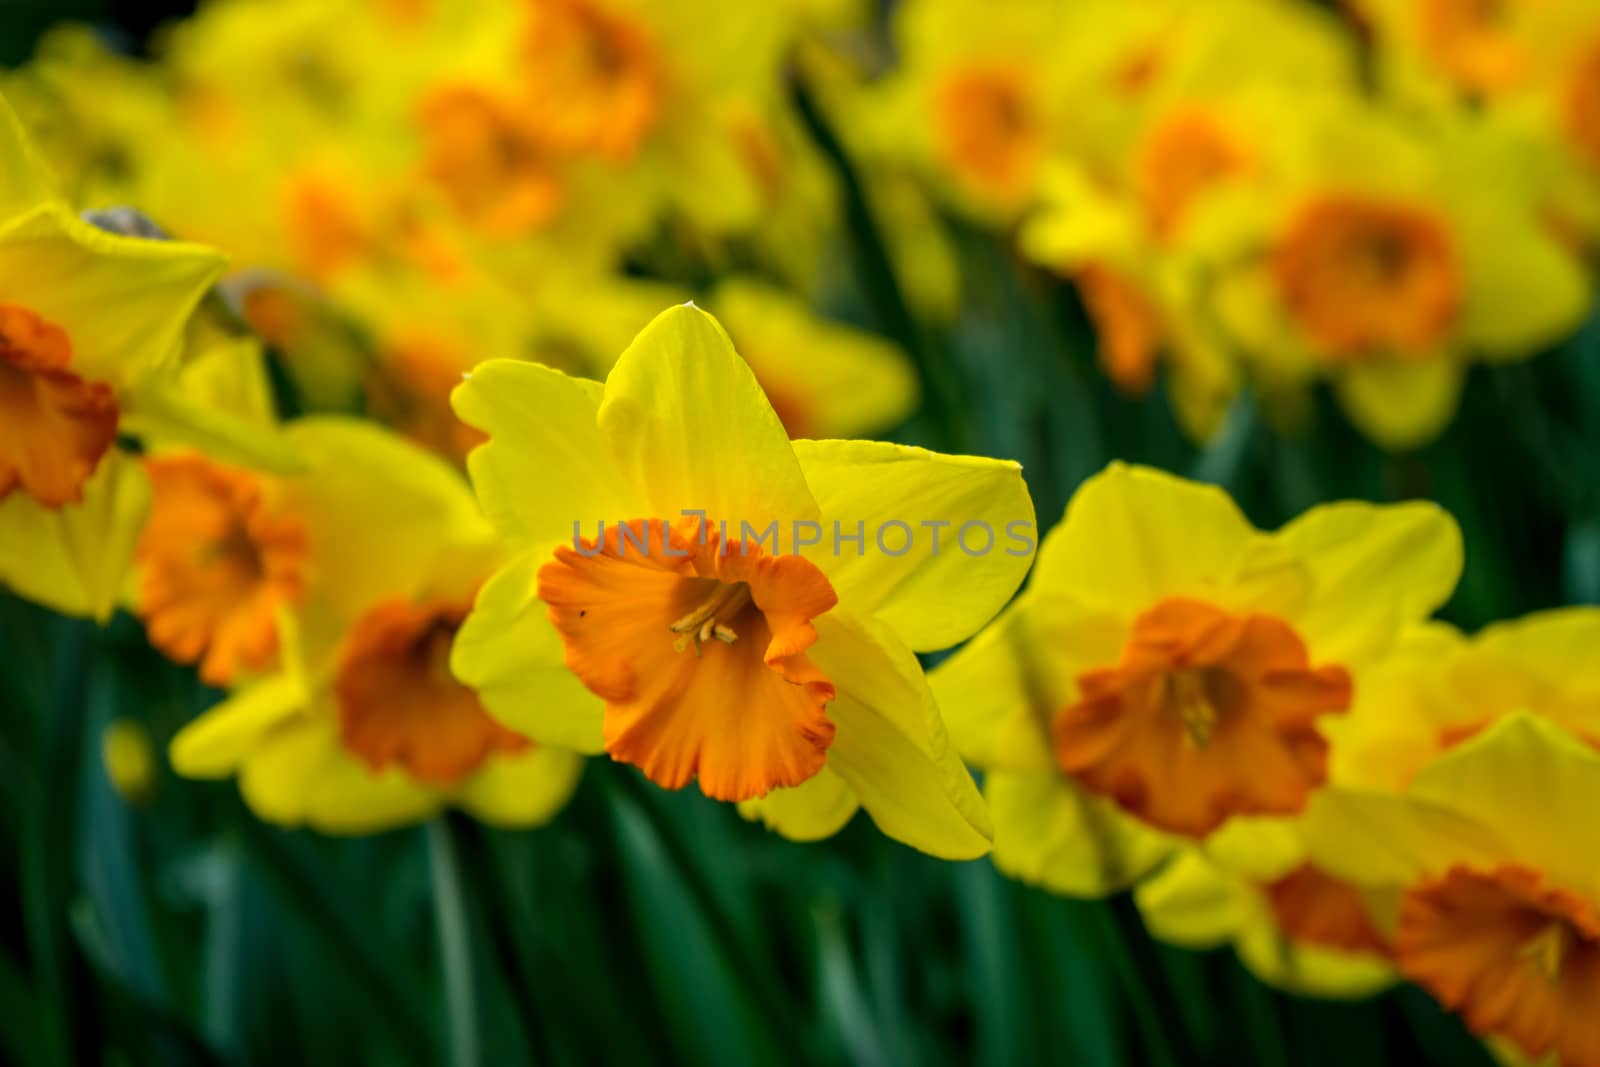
[[150, 919]]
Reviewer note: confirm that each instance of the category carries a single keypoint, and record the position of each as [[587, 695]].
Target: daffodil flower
[[331, 600], [720, 629], [1165, 679], [1491, 849], [91, 332]]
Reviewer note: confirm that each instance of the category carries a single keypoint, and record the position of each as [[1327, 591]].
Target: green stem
[[455, 945], [1143, 978], [632, 799]]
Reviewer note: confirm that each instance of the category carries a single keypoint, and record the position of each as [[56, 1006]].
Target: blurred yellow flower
[[751, 639], [91, 331], [337, 636], [1491, 847], [129, 759], [1166, 676]]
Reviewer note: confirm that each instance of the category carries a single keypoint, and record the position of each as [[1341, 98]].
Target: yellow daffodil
[[1491, 850], [1164, 679], [747, 616], [336, 634], [1305, 932], [1388, 257], [91, 331]]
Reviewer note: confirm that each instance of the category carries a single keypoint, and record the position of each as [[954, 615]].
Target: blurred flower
[[1491, 846], [355, 724], [91, 331], [1305, 931], [1387, 258], [1166, 676], [800, 696], [129, 759]]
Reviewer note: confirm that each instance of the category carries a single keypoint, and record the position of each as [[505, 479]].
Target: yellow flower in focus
[[1305, 932], [91, 330], [1386, 259], [1167, 676], [336, 635], [736, 622], [1491, 848], [823, 379]]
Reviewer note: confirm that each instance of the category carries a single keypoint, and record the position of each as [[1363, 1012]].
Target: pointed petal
[[214, 744], [890, 746], [509, 652], [956, 574], [546, 465], [687, 422]]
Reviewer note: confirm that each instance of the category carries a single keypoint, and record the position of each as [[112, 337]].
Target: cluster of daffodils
[[569, 524], [1372, 194]]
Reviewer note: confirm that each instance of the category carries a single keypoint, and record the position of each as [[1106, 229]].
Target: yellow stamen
[[1186, 691], [703, 622], [1546, 952]]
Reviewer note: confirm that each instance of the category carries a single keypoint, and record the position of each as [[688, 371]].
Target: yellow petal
[[123, 301], [1193, 903], [73, 559], [381, 514], [1402, 404], [1133, 535], [1375, 569], [215, 743], [688, 423], [163, 417], [275, 778], [510, 654], [1536, 786], [935, 585], [815, 809], [24, 181], [1374, 839], [1525, 289], [1260, 847], [546, 465], [1051, 834], [890, 746], [1000, 692], [521, 789]]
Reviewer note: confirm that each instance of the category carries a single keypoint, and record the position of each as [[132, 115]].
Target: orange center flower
[[487, 162], [1513, 955], [1209, 714], [1183, 156], [54, 426], [398, 703], [989, 133], [593, 78], [1583, 103], [1363, 275], [1127, 327], [216, 564], [1314, 907], [698, 648], [326, 229], [1473, 42]]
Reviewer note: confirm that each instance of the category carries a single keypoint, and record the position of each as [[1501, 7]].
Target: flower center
[[1184, 156], [592, 79], [216, 564], [1366, 276], [1473, 42], [1583, 104], [746, 712], [398, 703], [54, 426], [1515, 956], [988, 131], [488, 164], [1208, 714]]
